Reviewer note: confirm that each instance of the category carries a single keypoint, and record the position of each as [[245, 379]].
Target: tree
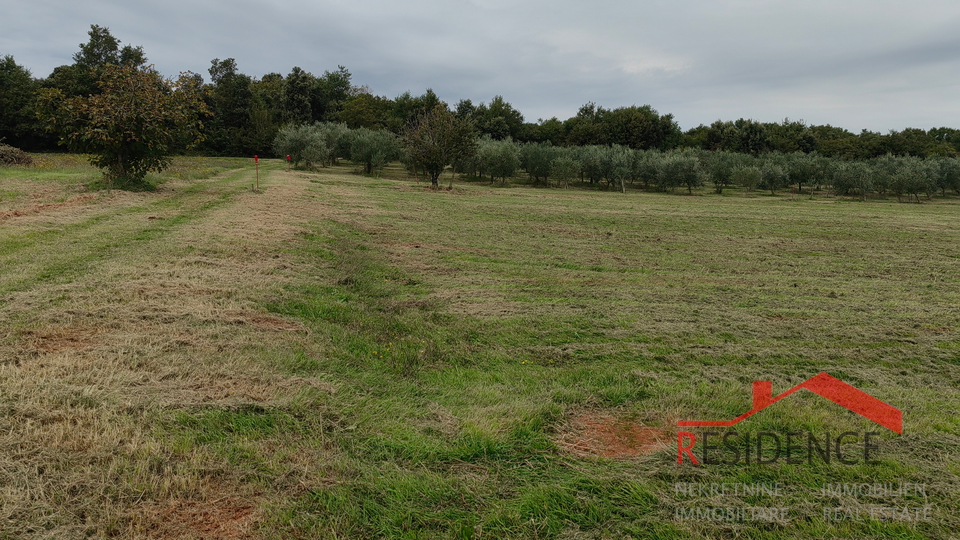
[[132, 126], [535, 158], [16, 102], [852, 178], [437, 139], [773, 176], [948, 174], [365, 110], [373, 148], [720, 166], [296, 96], [500, 158], [681, 169], [564, 169], [641, 128], [100, 51], [234, 109]]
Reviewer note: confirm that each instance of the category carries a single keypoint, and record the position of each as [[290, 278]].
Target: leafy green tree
[[909, 142], [235, 108], [587, 127], [801, 169], [297, 89], [365, 110], [329, 94], [790, 136], [884, 169], [305, 144], [753, 137], [535, 158], [437, 139], [773, 176], [641, 128], [719, 167], [132, 126], [681, 169], [17, 116], [948, 174], [408, 109], [374, 148], [853, 178], [498, 119], [101, 50], [564, 169], [501, 159], [913, 177], [747, 176]]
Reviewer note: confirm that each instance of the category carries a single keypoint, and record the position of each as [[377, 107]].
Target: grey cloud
[[857, 64]]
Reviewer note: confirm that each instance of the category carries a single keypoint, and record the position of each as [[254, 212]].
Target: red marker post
[[288, 162], [256, 161]]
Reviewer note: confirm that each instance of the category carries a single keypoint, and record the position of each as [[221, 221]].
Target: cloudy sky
[[858, 64]]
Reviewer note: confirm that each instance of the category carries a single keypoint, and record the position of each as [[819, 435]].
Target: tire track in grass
[[62, 254]]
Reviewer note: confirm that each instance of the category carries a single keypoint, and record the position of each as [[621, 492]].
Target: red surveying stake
[[256, 161]]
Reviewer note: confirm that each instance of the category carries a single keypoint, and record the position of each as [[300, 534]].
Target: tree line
[[243, 114], [440, 140], [113, 105]]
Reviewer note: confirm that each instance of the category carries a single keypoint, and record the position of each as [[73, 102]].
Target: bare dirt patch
[[222, 519], [59, 339], [603, 434], [34, 209]]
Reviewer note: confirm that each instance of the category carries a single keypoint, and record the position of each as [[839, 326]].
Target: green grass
[[436, 349]]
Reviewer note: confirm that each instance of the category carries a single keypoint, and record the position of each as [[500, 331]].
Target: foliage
[[853, 178], [720, 166], [373, 148], [564, 169], [500, 159], [16, 101], [773, 176], [132, 126], [913, 177], [313, 145], [437, 139], [747, 176], [536, 158], [948, 174], [681, 169]]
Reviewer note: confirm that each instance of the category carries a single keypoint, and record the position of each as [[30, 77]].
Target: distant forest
[[247, 113]]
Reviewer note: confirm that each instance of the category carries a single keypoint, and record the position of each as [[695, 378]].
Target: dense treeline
[[246, 113], [318, 120]]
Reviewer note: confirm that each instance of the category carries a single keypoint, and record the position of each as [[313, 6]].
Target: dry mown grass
[[90, 361], [495, 362]]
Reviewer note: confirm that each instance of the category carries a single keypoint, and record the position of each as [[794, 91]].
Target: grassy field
[[340, 356]]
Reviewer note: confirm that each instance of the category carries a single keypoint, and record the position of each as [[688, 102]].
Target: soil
[[603, 434]]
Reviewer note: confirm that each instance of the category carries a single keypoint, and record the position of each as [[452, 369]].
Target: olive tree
[[374, 149]]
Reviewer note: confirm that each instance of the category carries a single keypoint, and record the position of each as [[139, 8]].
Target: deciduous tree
[[436, 139], [132, 126]]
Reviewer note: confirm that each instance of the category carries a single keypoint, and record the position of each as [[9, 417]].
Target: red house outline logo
[[825, 386]]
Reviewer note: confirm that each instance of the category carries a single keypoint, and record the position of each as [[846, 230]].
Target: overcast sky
[[873, 64]]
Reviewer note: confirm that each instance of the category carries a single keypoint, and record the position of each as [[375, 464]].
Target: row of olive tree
[[323, 143], [617, 167], [438, 139]]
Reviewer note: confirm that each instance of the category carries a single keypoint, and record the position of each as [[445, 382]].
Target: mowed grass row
[[429, 354], [476, 323]]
